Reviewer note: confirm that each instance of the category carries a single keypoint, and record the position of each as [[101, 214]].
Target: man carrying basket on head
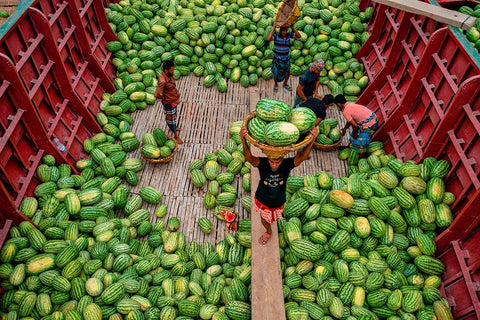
[[270, 196], [281, 58]]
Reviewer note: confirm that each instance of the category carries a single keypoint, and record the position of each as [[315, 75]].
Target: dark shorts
[[170, 109], [280, 68], [361, 142]]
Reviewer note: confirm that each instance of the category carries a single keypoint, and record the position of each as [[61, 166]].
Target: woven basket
[[288, 12], [271, 151], [327, 147], [162, 160]]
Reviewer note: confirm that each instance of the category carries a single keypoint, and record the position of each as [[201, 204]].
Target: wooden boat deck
[[205, 115]]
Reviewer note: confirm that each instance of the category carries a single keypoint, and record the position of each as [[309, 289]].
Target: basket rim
[[162, 160], [282, 17], [327, 147], [265, 148]]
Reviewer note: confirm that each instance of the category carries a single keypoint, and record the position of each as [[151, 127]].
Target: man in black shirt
[[309, 81], [319, 107], [270, 196]]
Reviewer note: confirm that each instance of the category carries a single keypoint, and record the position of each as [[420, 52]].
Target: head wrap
[[318, 64]]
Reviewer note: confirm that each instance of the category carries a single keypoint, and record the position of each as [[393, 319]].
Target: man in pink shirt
[[363, 121]]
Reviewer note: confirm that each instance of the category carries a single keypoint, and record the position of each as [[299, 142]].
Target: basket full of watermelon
[[329, 136], [276, 129], [157, 147]]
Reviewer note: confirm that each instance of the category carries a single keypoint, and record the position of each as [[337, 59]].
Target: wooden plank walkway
[[267, 294], [205, 116]]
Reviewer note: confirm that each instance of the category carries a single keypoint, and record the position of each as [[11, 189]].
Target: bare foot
[[264, 239], [177, 138]]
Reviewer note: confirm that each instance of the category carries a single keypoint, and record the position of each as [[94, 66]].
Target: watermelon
[[281, 133], [303, 118], [256, 128], [269, 109]]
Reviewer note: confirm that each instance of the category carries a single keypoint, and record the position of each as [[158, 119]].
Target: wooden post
[[267, 294], [447, 16]]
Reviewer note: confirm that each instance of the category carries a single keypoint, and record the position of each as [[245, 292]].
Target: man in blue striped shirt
[[281, 58]]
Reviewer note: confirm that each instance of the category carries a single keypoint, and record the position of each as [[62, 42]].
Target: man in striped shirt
[[281, 58]]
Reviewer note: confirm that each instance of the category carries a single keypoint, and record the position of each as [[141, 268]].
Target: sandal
[[264, 239], [287, 87], [275, 88]]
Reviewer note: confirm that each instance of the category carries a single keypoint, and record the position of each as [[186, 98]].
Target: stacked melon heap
[[157, 145], [375, 148], [473, 34], [357, 246], [362, 246], [276, 124], [328, 132], [219, 168], [221, 42], [85, 262], [108, 159], [226, 42]]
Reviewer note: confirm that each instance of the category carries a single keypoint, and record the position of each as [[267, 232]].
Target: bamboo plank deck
[[205, 115], [8, 5]]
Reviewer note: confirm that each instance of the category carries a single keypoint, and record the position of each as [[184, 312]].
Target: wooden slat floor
[[267, 294], [205, 115]]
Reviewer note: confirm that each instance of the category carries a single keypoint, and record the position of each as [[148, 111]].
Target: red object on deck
[[98, 32], [88, 79], [457, 140], [24, 139], [53, 72], [426, 94], [443, 66], [461, 276], [37, 61], [385, 93], [384, 37]]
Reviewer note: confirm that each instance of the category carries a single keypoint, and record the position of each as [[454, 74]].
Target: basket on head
[[273, 152], [162, 160], [288, 12]]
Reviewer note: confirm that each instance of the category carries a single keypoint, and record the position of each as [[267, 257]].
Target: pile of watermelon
[[276, 124], [219, 169], [359, 246], [473, 34], [375, 148], [363, 245], [85, 262], [226, 41], [108, 158], [328, 133], [157, 145]]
